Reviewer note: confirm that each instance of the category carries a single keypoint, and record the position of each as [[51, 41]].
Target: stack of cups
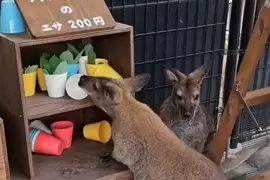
[[11, 18], [43, 142], [64, 131]]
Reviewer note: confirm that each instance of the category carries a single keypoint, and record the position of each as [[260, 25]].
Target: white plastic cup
[[37, 124], [82, 65], [56, 84], [72, 88]]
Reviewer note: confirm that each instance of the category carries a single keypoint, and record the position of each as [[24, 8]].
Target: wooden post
[[254, 50]]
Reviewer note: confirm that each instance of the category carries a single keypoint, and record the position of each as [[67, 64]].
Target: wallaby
[[190, 121], [141, 140], [183, 113]]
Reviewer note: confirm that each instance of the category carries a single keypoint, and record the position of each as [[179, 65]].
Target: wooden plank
[[4, 166], [258, 96], [54, 17], [41, 105], [27, 40], [254, 50], [125, 175], [80, 162], [12, 109]]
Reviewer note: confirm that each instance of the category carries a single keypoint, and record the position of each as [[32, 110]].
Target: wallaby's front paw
[[105, 159]]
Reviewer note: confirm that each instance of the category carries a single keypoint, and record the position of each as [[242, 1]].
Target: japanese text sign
[[57, 17]]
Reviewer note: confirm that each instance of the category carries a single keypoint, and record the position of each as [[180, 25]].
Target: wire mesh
[[260, 79], [176, 33]]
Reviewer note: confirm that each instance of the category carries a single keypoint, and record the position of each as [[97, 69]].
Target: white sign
[[66, 9], [57, 26], [86, 22], [74, 24]]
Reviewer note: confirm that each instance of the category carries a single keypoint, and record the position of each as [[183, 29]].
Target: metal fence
[[180, 34], [246, 128], [261, 79]]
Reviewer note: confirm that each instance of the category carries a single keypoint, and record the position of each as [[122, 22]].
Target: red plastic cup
[[44, 143], [64, 131]]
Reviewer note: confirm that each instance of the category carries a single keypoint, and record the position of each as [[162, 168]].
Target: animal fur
[[183, 113], [196, 131], [141, 140]]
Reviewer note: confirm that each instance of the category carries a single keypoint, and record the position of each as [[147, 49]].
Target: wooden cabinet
[[4, 166], [81, 161]]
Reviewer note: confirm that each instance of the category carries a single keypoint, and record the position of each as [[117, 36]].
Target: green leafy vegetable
[[91, 55], [53, 66], [68, 56], [61, 68], [30, 69], [72, 49]]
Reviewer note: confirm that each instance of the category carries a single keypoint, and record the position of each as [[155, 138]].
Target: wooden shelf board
[[41, 105], [81, 161], [26, 39]]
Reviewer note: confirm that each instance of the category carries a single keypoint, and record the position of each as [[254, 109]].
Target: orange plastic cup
[[45, 143], [64, 131]]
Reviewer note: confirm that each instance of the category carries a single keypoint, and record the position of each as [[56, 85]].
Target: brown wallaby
[[183, 113], [141, 140], [190, 121]]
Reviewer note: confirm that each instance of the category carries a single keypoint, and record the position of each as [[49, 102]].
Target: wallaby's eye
[[179, 97], [196, 97], [95, 87], [106, 94]]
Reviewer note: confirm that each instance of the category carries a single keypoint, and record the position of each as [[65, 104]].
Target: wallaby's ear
[[174, 75], [199, 74], [136, 83]]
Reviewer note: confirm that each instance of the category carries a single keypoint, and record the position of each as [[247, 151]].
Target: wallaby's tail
[[233, 162]]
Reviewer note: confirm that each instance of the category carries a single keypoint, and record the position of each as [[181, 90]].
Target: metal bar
[[232, 57], [248, 23]]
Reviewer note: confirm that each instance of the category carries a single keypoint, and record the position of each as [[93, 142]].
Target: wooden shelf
[[81, 161], [26, 39], [41, 105], [18, 51]]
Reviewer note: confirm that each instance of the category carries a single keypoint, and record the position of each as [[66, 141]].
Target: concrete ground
[[258, 162]]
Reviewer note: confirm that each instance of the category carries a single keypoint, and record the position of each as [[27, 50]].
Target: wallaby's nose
[[187, 114], [82, 80]]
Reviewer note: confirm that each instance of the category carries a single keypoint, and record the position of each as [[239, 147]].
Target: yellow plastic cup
[[100, 131], [41, 79], [102, 70], [29, 83]]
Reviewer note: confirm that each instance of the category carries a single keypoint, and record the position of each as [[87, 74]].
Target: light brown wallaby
[[183, 113], [141, 140]]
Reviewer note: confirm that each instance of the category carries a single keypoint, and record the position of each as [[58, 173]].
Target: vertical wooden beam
[[250, 61]]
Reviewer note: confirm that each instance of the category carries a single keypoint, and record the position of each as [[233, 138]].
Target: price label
[[57, 17]]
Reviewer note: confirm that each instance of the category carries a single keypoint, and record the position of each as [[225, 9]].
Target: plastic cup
[[41, 79], [37, 124], [82, 65], [100, 131], [73, 89], [29, 84], [44, 143], [72, 69], [56, 84], [102, 69], [11, 18], [64, 131]]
